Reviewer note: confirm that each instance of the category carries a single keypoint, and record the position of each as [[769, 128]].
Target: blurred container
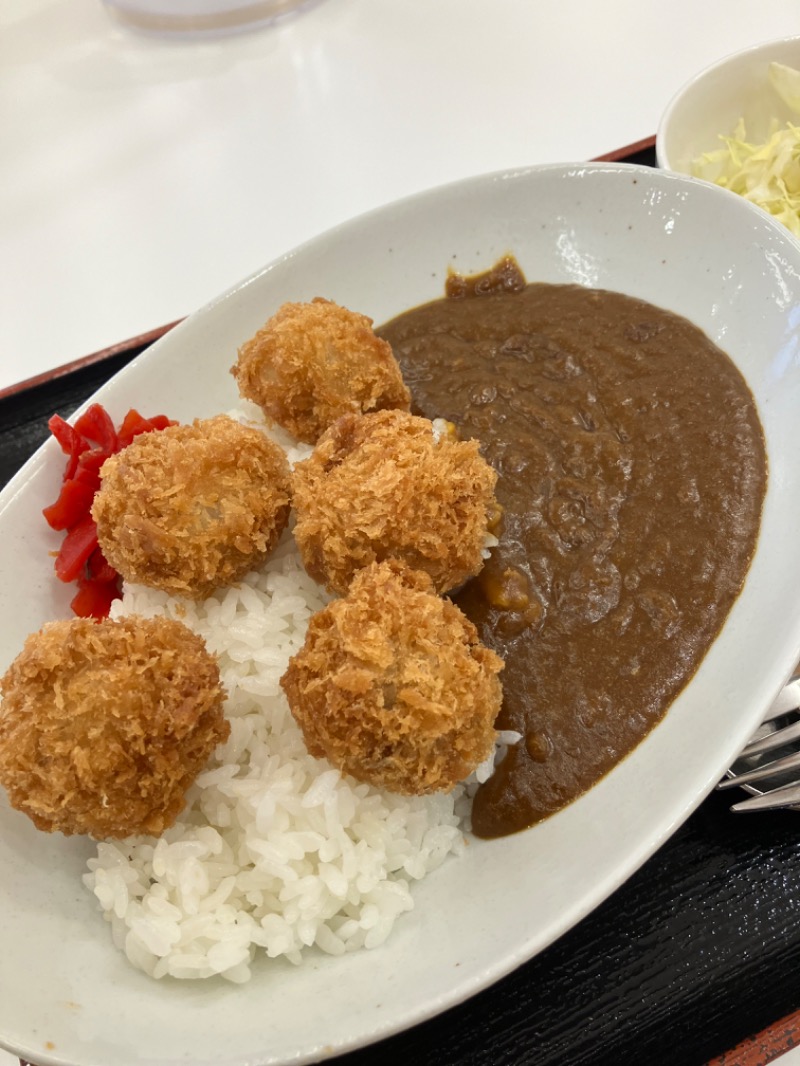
[[200, 18]]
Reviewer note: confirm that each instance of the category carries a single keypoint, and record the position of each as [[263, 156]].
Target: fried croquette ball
[[190, 508], [312, 363], [105, 725], [393, 685], [382, 486]]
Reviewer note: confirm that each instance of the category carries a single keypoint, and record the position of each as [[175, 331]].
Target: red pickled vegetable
[[95, 425], [72, 444], [92, 459], [77, 546], [72, 504], [94, 598], [99, 568], [132, 425], [65, 435], [160, 422], [88, 476], [87, 445]]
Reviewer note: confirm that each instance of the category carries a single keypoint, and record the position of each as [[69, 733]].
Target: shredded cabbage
[[786, 83], [767, 174]]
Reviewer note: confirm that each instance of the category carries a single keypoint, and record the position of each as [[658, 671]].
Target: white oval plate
[[67, 995]]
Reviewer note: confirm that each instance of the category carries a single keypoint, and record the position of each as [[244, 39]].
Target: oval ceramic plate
[[67, 995]]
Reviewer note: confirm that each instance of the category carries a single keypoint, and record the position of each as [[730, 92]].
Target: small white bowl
[[713, 101]]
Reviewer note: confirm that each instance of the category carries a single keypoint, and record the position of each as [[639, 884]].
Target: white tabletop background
[[139, 178]]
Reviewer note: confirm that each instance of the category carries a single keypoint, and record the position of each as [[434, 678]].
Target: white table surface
[[139, 178]]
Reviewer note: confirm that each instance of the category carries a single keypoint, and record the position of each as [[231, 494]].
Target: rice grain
[[276, 853]]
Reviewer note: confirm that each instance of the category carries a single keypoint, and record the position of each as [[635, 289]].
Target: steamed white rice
[[275, 850]]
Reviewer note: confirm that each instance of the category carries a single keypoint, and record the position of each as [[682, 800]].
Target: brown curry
[[632, 472]]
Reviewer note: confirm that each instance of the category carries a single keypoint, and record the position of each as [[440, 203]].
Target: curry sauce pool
[[632, 472]]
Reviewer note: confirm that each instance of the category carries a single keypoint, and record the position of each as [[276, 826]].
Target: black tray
[[696, 952]]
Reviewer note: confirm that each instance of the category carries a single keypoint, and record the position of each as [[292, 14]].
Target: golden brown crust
[[312, 363], [393, 685], [191, 508], [105, 725], [379, 487]]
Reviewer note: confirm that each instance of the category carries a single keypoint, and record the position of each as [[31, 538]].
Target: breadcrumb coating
[[313, 362], [192, 508], [105, 725], [393, 685], [381, 486]]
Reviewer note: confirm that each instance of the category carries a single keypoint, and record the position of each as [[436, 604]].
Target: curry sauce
[[632, 471]]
